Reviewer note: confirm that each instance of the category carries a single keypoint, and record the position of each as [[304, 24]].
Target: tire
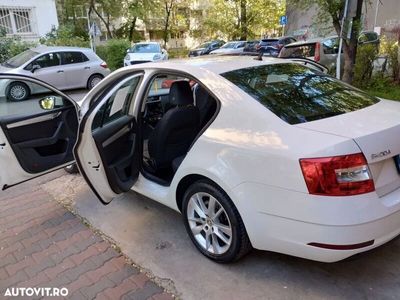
[[94, 80], [17, 91], [72, 169], [222, 247]]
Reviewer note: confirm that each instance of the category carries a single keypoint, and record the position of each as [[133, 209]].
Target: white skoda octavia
[[266, 154]]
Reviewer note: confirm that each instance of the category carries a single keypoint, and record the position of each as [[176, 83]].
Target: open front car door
[[107, 151], [38, 129]]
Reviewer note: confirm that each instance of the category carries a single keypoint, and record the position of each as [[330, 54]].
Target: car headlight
[[127, 57], [157, 56]]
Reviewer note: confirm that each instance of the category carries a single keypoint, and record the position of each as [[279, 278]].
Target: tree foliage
[[242, 19]]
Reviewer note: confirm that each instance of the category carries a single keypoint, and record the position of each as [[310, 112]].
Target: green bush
[[390, 48], [64, 36], [366, 55], [178, 53], [11, 46], [113, 52]]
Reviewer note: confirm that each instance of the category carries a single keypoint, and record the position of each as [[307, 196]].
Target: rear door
[[76, 69], [37, 135], [108, 151]]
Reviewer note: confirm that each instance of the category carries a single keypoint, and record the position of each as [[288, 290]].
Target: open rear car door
[[38, 129], [107, 151]]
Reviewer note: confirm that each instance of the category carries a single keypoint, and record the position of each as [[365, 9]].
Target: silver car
[[63, 67]]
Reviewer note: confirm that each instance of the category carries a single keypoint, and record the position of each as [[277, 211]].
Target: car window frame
[[83, 57], [29, 66]]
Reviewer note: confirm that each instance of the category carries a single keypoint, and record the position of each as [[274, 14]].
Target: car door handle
[[87, 68], [60, 71]]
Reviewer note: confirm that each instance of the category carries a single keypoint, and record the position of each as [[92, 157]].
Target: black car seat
[[206, 105], [175, 132]]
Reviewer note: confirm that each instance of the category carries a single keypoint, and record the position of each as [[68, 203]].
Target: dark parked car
[[251, 46], [206, 48], [274, 45]]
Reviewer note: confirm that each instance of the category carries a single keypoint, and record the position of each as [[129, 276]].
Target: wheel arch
[[187, 181]]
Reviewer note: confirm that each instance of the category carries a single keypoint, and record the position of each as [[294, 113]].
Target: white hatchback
[[145, 52], [266, 154], [63, 67]]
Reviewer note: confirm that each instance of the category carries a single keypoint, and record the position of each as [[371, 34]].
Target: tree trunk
[[106, 24], [168, 8], [350, 46], [132, 29], [243, 20]]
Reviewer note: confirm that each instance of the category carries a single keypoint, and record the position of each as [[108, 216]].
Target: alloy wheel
[[209, 223], [18, 92]]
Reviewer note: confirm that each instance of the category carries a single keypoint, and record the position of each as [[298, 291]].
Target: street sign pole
[[89, 30]]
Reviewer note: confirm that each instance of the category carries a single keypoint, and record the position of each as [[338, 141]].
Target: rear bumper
[[293, 232]]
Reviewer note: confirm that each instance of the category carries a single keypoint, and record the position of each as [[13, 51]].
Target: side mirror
[[34, 68], [48, 103]]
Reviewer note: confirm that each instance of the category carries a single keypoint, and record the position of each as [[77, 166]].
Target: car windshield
[[229, 45], [145, 48], [297, 94], [205, 45], [20, 59]]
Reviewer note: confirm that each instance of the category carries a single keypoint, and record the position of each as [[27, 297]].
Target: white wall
[[44, 14]]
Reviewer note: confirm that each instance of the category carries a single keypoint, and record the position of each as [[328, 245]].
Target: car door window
[[21, 97], [48, 60], [73, 58], [117, 105]]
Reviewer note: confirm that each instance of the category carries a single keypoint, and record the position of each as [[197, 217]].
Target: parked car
[[230, 48], [63, 67], [324, 50], [251, 46], [145, 52], [206, 48], [224, 144], [273, 46]]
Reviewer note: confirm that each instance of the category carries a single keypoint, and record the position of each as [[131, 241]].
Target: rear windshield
[[268, 42], [298, 51], [297, 94], [20, 59]]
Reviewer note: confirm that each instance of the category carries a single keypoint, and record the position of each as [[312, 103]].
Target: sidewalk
[[44, 245]]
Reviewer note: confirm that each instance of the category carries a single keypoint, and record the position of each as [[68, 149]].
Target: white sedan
[[145, 52], [264, 154]]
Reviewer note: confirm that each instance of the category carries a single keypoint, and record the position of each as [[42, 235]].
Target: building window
[[14, 20]]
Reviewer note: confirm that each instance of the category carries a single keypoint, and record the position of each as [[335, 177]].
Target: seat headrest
[[180, 93]]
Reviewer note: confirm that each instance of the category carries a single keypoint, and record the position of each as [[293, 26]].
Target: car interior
[[41, 137], [175, 111]]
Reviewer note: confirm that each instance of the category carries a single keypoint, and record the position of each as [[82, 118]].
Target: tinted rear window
[[298, 51], [297, 94]]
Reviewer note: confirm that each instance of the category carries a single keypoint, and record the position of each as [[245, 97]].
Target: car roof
[[45, 49], [217, 64]]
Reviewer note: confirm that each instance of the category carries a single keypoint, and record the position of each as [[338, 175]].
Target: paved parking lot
[[154, 237], [45, 245]]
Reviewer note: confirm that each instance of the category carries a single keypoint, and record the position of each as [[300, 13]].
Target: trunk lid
[[376, 130]]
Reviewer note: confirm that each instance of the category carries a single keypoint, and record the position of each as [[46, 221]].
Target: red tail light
[[317, 55], [103, 65], [338, 175]]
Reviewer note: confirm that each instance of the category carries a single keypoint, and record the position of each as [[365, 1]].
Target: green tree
[[332, 11], [242, 19]]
